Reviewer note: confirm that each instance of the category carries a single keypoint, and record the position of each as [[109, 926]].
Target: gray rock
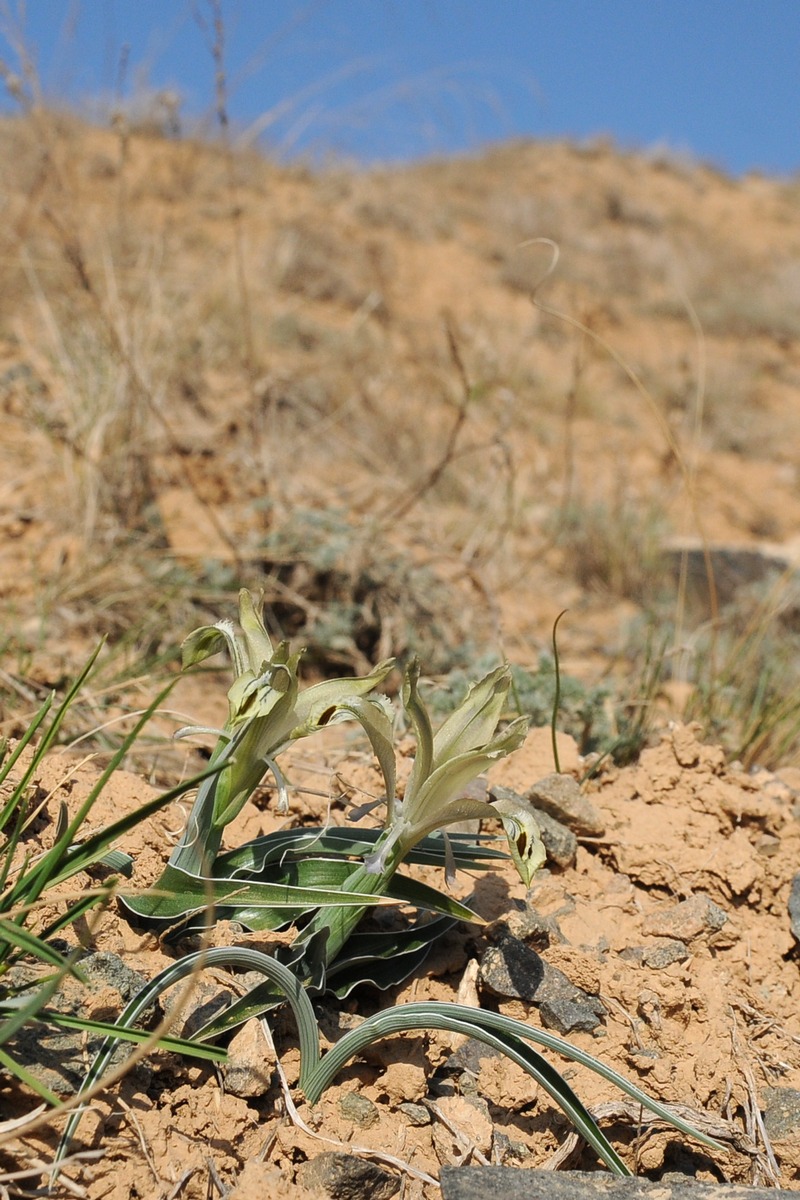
[[57, 1057], [560, 797], [734, 568], [566, 1015], [513, 1183], [560, 842], [531, 926], [248, 1071], [669, 952], [633, 954], [687, 920], [345, 1177], [415, 1114], [468, 1057], [512, 970], [794, 907], [781, 1112], [504, 1147], [359, 1109]]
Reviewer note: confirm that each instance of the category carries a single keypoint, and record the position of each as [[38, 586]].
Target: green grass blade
[[51, 867], [222, 956], [192, 1049], [9, 762], [29, 943]]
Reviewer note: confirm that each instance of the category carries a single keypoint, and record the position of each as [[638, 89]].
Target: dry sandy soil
[[336, 387]]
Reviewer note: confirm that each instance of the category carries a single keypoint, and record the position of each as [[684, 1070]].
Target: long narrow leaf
[[29, 943], [71, 914], [222, 956], [471, 852], [10, 761], [179, 894], [191, 1049], [84, 854], [439, 1015], [49, 868]]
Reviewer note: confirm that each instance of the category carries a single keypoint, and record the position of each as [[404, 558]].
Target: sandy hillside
[[363, 393]]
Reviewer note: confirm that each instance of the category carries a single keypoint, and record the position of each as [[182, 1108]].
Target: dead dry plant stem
[[765, 1165], [688, 472], [570, 412], [73, 252], [249, 361], [137, 1128], [39, 1168], [398, 513], [221, 94]]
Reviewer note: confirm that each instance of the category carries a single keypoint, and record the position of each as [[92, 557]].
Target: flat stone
[[514, 1183], [248, 1071], [514, 971], [529, 925], [468, 1057], [687, 920], [781, 1112], [560, 797], [359, 1109], [567, 1015], [415, 1114], [559, 841], [794, 907], [734, 568], [58, 1057], [669, 952], [346, 1177]]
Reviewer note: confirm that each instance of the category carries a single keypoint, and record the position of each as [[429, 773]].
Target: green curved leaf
[[180, 894]]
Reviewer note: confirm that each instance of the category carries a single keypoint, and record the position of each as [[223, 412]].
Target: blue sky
[[391, 80]]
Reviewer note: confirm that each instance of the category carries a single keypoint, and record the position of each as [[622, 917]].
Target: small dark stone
[[530, 926], [561, 797], [511, 969], [504, 1147], [567, 1015], [660, 957], [345, 1177], [359, 1109], [415, 1114], [515, 1183], [781, 1111], [469, 1055], [794, 907]]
